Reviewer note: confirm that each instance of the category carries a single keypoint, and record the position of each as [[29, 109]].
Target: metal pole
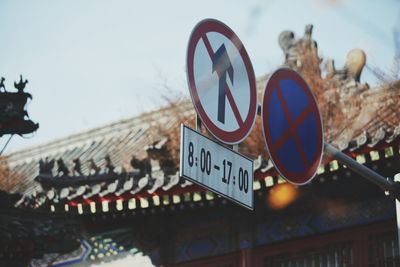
[[1, 152], [397, 179], [382, 182], [198, 123]]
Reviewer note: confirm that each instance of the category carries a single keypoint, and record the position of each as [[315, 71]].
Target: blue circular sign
[[292, 126]]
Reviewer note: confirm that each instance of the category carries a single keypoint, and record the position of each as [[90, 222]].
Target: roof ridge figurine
[[20, 86], [2, 85], [14, 119]]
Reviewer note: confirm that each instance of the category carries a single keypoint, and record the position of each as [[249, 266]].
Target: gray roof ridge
[[108, 129]]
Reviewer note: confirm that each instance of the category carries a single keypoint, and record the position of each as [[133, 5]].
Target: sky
[[90, 63]]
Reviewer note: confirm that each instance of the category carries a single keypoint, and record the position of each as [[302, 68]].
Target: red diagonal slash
[[292, 126], [229, 95], [295, 124]]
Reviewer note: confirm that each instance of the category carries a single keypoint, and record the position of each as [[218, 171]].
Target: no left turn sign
[[221, 81]]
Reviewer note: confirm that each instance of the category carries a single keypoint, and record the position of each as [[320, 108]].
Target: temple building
[[115, 190]]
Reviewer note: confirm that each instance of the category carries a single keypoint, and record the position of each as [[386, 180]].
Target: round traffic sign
[[221, 81], [292, 126]]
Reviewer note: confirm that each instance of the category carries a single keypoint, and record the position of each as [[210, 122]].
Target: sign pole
[[198, 123], [384, 183], [397, 179], [393, 187]]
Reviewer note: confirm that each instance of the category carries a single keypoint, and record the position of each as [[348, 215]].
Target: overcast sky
[[93, 62]]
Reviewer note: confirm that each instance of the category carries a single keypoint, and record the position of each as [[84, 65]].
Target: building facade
[[120, 186]]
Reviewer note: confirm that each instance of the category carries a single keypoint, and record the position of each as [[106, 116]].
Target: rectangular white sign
[[216, 167]]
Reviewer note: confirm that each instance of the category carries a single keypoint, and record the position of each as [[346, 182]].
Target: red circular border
[[237, 136], [308, 175]]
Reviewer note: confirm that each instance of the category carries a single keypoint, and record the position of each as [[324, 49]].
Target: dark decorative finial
[[144, 166], [307, 38], [62, 168], [110, 168], [93, 168], [2, 84], [20, 86], [77, 167], [41, 166], [46, 166], [14, 118]]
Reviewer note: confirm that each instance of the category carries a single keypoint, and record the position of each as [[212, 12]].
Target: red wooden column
[[360, 248], [245, 257]]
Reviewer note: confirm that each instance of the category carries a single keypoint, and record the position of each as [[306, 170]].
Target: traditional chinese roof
[[27, 234], [135, 162]]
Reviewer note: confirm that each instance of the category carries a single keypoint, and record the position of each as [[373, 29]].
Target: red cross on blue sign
[[292, 126]]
